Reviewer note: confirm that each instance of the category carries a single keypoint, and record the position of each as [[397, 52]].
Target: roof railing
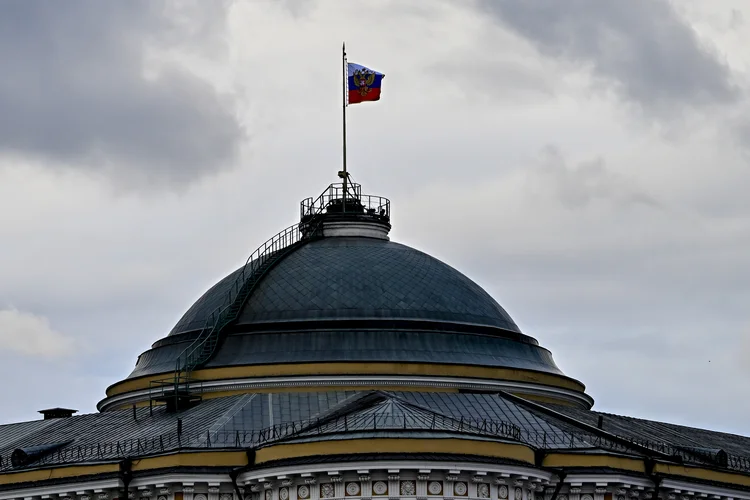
[[259, 262], [333, 201], [553, 440]]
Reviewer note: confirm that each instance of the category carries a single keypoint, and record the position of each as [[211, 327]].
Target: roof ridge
[[687, 427], [228, 415]]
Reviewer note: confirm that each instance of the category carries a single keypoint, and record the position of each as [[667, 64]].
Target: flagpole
[[345, 89]]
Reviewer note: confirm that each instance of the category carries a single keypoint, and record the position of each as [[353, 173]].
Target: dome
[[358, 299], [346, 307], [357, 278]]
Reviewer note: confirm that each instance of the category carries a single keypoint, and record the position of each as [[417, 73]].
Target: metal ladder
[[177, 391], [256, 266]]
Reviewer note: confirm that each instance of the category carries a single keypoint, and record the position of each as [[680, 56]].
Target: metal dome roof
[[357, 278], [331, 302], [357, 299]]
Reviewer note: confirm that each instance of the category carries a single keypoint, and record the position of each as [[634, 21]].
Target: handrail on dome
[[202, 349], [204, 346], [335, 201]]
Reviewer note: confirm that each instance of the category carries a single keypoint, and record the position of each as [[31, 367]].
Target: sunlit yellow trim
[[57, 473], [701, 473], [388, 445], [394, 445], [282, 370], [198, 459], [590, 460]]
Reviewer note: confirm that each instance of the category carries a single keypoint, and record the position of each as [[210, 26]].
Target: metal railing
[[252, 439], [332, 200], [551, 441], [203, 347]]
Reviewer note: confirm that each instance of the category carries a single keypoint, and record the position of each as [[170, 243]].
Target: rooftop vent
[[715, 455], [24, 456], [51, 413]]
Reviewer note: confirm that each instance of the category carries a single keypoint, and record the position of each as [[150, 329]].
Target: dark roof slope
[[346, 278], [677, 436], [252, 420]]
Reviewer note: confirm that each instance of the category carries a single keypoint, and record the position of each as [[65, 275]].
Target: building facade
[[337, 364]]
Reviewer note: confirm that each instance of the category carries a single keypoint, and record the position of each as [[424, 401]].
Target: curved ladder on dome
[[257, 265]]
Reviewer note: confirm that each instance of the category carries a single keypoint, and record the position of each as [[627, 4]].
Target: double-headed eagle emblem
[[363, 79]]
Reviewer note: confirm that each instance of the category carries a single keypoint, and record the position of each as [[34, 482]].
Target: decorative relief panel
[[303, 492], [353, 489], [435, 488], [460, 489], [284, 493], [327, 490], [408, 488], [518, 494], [379, 488], [483, 490], [502, 492], [269, 495]]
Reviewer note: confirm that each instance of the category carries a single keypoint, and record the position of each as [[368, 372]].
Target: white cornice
[[608, 478], [393, 465], [57, 489], [528, 477], [684, 486], [177, 478]]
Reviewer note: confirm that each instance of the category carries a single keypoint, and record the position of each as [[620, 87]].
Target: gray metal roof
[[678, 436], [11, 434], [358, 345], [345, 278], [356, 299], [253, 420]]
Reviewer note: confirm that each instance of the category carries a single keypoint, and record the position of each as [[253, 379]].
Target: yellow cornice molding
[[311, 369], [565, 460], [476, 447], [459, 446], [687, 471], [61, 472]]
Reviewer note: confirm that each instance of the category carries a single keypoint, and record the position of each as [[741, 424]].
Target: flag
[[364, 84]]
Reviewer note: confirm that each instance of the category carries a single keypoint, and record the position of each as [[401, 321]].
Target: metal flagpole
[[345, 89]]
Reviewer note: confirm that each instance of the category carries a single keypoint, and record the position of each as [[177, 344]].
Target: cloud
[[31, 335], [79, 90], [577, 186], [641, 49], [570, 241]]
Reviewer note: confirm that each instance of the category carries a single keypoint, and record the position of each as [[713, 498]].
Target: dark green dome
[[358, 299], [357, 278]]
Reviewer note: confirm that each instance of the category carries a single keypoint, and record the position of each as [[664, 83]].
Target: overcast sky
[[585, 161]]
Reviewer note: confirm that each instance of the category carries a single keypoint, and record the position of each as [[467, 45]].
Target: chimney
[[51, 413]]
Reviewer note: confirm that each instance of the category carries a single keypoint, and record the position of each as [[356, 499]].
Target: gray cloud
[[73, 91], [32, 335], [622, 293], [641, 48], [579, 185]]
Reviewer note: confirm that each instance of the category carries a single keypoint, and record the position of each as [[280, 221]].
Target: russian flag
[[364, 84]]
